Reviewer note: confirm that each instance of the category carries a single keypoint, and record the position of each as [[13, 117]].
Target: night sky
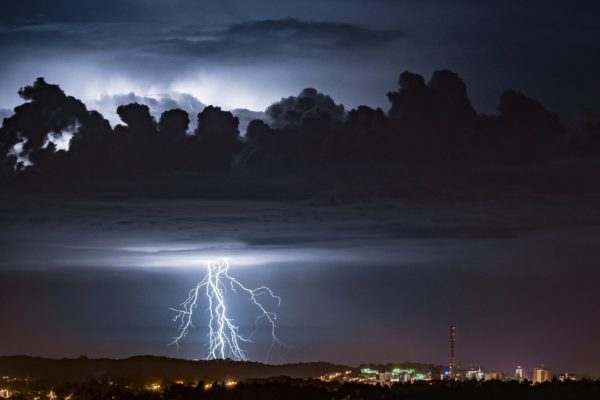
[[371, 278]]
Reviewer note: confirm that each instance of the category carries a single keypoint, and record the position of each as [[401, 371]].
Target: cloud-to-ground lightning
[[225, 339]]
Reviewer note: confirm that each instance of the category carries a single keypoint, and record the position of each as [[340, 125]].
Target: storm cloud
[[5, 113], [273, 38], [356, 48], [285, 37], [429, 124], [157, 104]]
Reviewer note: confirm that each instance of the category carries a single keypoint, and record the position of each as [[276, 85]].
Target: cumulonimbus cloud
[[159, 103], [4, 112]]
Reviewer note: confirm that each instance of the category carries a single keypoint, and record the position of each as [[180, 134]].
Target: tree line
[[296, 389]]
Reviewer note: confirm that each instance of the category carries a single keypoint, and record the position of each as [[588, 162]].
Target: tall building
[[452, 343], [542, 374], [519, 373]]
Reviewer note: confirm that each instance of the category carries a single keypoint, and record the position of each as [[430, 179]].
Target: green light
[[398, 371], [369, 371]]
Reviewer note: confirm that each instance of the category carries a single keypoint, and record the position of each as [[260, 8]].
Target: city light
[[153, 387], [369, 371]]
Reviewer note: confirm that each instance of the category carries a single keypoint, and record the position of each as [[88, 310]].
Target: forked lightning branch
[[224, 337]]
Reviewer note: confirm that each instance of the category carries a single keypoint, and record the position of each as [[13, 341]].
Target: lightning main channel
[[224, 337]]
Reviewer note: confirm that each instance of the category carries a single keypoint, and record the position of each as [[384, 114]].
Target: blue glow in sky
[[239, 54]]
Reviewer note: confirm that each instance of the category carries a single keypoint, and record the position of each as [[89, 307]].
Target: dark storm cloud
[[429, 123], [163, 102], [293, 111], [309, 36], [4, 113], [246, 116], [157, 104], [248, 39], [313, 33], [84, 37]]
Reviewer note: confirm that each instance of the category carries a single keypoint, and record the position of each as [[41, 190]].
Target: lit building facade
[[567, 377], [541, 375], [474, 374], [493, 376], [519, 373]]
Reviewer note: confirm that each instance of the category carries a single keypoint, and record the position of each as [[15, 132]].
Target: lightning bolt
[[224, 337]]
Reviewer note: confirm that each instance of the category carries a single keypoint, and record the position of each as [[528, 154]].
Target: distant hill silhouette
[[145, 368]]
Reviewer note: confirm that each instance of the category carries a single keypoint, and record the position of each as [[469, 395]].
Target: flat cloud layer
[[249, 39]]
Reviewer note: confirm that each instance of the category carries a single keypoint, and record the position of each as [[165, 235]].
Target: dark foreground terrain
[[147, 377], [301, 389]]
